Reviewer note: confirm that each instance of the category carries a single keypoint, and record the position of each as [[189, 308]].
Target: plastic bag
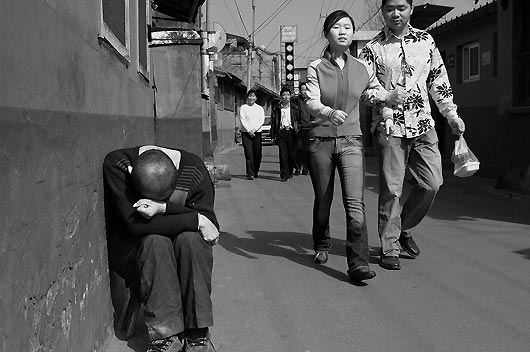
[[466, 163]]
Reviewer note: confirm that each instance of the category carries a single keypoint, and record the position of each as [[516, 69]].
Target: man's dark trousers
[[302, 153], [173, 278], [286, 146]]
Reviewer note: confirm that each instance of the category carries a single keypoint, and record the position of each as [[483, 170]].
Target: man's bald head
[[154, 175]]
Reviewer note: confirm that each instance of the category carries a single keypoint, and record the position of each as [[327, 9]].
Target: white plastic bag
[[466, 163]]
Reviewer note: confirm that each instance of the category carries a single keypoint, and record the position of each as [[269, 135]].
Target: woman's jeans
[[346, 154]]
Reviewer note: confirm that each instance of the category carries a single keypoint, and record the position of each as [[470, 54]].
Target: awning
[[425, 15], [181, 10]]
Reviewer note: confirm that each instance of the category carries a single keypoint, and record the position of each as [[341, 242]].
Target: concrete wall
[[179, 107], [226, 124], [66, 101]]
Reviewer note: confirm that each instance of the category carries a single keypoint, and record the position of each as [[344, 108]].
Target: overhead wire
[[241, 17], [272, 16], [238, 26], [368, 20]]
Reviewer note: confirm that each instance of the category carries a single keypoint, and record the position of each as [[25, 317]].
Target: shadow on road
[[294, 246], [524, 252], [261, 176], [463, 199]]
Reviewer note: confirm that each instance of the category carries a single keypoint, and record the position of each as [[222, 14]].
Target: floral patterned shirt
[[413, 62]]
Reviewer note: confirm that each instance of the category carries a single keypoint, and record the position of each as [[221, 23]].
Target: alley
[[468, 291]]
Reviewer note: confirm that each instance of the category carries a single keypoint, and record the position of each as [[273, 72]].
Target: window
[[471, 62], [143, 56], [495, 54], [521, 51], [228, 95], [115, 25]]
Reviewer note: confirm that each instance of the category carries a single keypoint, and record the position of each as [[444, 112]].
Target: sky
[[308, 16]]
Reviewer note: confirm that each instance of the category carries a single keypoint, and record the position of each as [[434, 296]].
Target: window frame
[[108, 35], [466, 64], [147, 71]]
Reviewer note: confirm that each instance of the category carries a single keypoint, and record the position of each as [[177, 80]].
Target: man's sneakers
[[202, 344], [361, 273], [321, 257], [168, 344], [409, 246]]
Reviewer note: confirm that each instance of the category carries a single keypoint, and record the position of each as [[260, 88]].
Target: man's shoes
[[250, 177], [168, 344], [389, 262], [305, 171], [297, 172], [409, 246], [360, 274], [203, 344], [321, 257], [283, 179]]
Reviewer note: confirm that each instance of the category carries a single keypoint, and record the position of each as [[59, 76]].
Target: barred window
[[115, 24], [471, 62]]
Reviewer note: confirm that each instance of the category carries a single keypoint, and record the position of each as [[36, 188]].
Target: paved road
[[468, 291]]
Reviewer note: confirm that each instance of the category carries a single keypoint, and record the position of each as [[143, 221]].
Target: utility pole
[[251, 49]]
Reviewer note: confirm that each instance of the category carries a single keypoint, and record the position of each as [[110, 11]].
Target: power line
[[272, 16], [277, 33], [241, 17], [368, 20], [232, 16]]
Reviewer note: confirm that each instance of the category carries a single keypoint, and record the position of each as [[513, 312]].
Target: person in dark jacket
[[161, 226], [284, 128], [304, 125]]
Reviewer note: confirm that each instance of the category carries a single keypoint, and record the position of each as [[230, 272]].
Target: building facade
[[77, 82], [487, 55]]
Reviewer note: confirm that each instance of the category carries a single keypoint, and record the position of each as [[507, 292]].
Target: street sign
[[288, 34], [289, 62]]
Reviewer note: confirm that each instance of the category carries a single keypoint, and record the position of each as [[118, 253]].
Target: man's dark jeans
[[302, 154], [346, 154], [174, 278]]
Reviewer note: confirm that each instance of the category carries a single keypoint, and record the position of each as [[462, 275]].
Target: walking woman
[[335, 84], [252, 118]]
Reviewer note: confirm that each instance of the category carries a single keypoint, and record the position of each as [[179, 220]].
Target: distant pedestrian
[[304, 125], [334, 86], [407, 61], [284, 127], [252, 117]]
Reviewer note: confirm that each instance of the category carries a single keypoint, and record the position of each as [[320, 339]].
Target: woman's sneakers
[[321, 257]]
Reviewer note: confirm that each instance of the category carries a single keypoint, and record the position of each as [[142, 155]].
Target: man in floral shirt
[[406, 60]]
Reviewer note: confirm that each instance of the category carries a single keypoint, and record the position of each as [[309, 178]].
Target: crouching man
[[161, 226]]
